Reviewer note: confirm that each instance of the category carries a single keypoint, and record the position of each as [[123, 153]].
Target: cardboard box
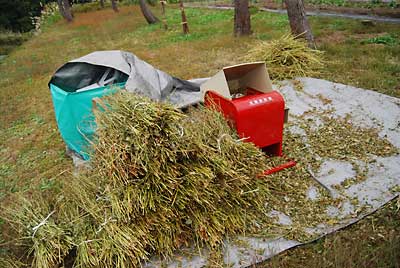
[[233, 79]]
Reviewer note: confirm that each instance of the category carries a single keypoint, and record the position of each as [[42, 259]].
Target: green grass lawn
[[32, 154]]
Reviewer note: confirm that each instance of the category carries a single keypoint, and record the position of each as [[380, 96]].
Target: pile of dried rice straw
[[161, 180], [287, 57]]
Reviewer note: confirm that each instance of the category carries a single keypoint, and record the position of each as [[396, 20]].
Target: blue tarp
[[74, 116]]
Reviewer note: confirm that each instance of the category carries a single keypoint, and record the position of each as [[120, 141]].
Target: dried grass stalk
[[162, 179], [47, 237], [287, 57]]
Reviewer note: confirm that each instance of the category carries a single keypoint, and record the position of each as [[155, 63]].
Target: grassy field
[[32, 154]]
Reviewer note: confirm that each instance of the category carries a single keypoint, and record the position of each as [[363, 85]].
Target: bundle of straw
[[160, 179], [287, 57], [165, 179], [37, 224]]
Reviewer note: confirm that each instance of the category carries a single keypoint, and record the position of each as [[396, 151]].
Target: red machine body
[[258, 117]]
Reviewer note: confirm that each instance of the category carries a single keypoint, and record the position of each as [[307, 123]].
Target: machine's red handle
[[290, 163]]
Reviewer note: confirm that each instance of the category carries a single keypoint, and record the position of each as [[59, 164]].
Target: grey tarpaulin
[[140, 77]]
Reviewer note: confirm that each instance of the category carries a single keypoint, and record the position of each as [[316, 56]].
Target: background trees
[[114, 5], [148, 15], [65, 9], [296, 13], [298, 20], [242, 24], [16, 15]]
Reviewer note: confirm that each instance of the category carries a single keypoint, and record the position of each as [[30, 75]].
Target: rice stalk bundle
[[160, 180], [48, 237], [287, 57]]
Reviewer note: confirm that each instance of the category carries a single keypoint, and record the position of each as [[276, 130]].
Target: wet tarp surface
[[75, 84]]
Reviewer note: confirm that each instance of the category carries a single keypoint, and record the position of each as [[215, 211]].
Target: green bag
[[74, 116]]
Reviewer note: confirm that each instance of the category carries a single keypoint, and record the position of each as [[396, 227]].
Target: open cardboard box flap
[[232, 79]]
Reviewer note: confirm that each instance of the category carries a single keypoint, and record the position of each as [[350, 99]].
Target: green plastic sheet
[[74, 116]]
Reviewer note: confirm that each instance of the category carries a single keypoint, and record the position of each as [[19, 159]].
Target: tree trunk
[[68, 11], [298, 21], [185, 25], [114, 5], [61, 8], [148, 15], [242, 18], [65, 9], [164, 20], [102, 3]]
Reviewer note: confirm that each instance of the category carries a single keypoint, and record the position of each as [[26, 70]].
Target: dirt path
[[340, 15], [314, 13]]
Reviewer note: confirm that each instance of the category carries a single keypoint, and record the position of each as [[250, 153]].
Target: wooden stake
[[164, 20], [185, 25]]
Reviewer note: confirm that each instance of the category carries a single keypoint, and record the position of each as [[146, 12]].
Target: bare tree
[[148, 15], [65, 9], [242, 24], [102, 3], [114, 5], [185, 25], [298, 21]]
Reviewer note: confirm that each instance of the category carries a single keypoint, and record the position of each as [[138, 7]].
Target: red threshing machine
[[256, 111]]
